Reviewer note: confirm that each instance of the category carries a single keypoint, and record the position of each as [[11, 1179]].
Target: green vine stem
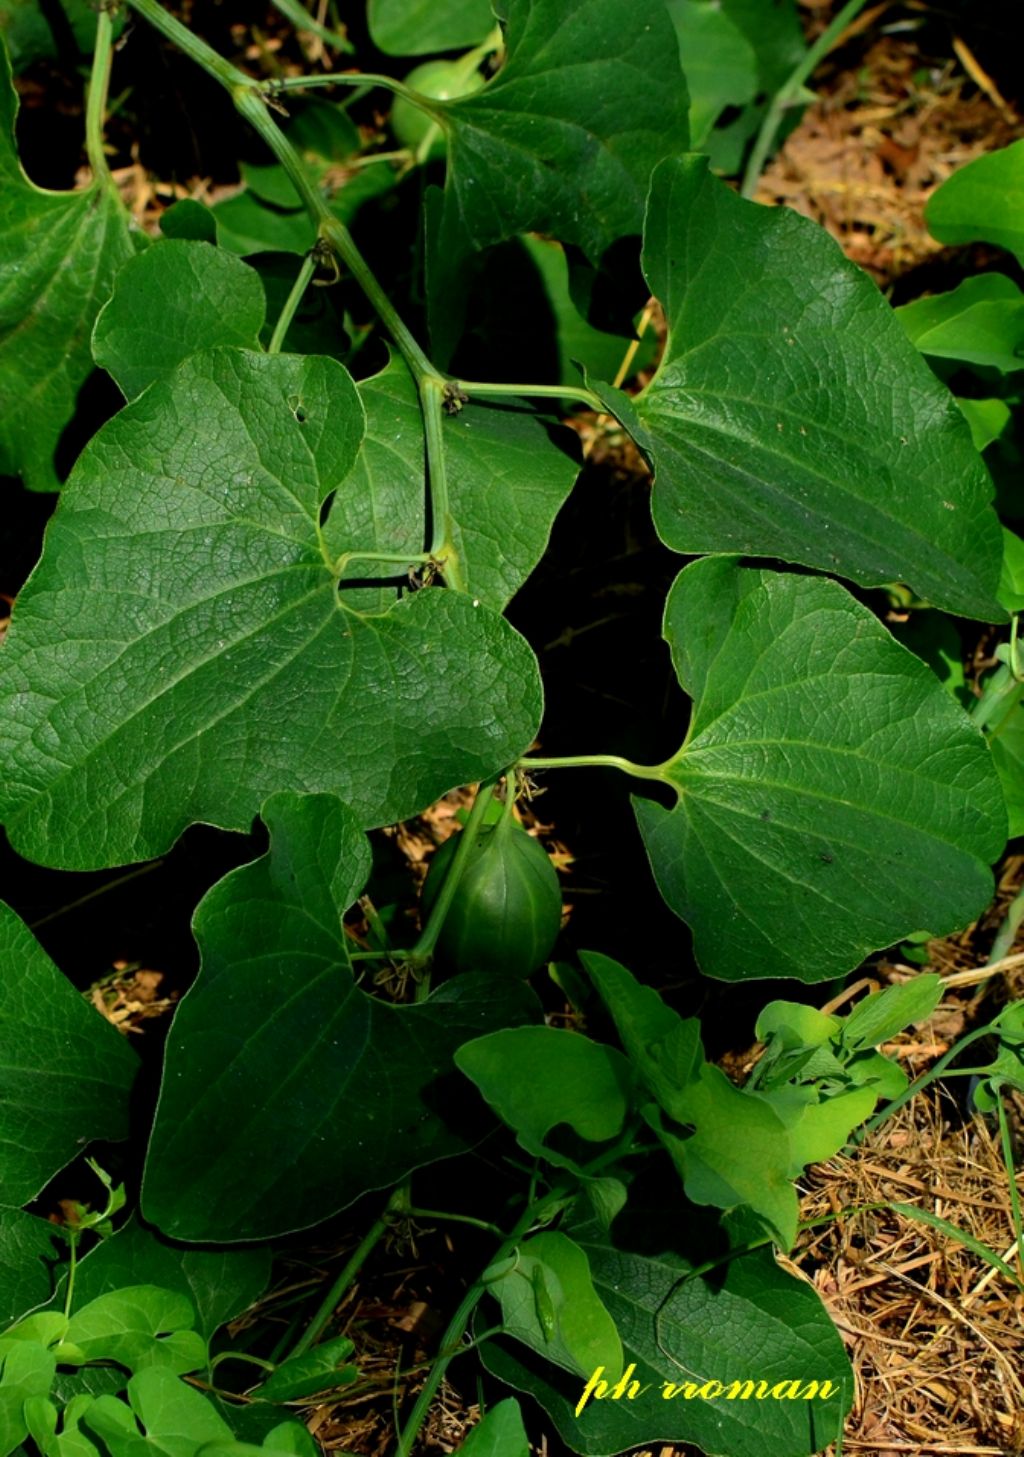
[[538, 391], [369, 1242], [96, 102], [919, 1084], [433, 393], [602, 761], [291, 304], [789, 92], [366, 79], [451, 1341], [1011, 1175], [249, 97], [424, 948]]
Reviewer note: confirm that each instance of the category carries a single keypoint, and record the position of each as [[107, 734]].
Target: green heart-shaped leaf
[[288, 1091], [182, 650], [832, 797], [762, 442]]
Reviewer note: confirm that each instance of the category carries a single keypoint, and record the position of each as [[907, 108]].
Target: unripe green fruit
[[507, 907], [442, 80]]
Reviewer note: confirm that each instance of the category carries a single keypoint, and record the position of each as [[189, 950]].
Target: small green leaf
[[175, 1419], [499, 1434], [548, 1302], [792, 1026], [275, 1026], [761, 447], [419, 27], [139, 1327], [1011, 582], [819, 1124], [1007, 744], [323, 1368], [988, 420], [665, 1049], [26, 1371], [59, 252], [172, 301], [1007, 1067], [65, 1073], [981, 322], [881, 1016], [207, 659], [536, 1078], [983, 201], [738, 1154], [832, 796]]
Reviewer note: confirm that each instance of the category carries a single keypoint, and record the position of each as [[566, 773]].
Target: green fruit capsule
[[507, 907], [443, 80]]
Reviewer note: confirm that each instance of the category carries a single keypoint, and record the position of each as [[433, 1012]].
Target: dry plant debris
[[886, 131], [936, 1337]]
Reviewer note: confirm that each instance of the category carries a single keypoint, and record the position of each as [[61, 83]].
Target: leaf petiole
[[292, 303], [96, 103]]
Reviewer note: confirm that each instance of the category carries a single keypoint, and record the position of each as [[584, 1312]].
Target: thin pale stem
[[432, 395], [1011, 1174], [69, 1293], [96, 104], [600, 761], [93, 894], [790, 89], [366, 79], [541, 391], [291, 304], [405, 559], [483, 1224], [917, 1086], [295, 12]]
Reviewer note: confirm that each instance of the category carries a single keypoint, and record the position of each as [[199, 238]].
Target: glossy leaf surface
[[182, 651], [982, 201], [761, 443], [832, 796]]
